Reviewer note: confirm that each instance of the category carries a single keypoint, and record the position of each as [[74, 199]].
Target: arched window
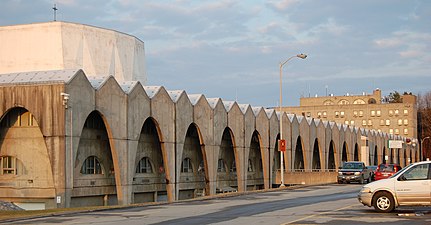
[[8, 165], [186, 167], [144, 166], [91, 165], [359, 102], [328, 102], [372, 101], [233, 169], [221, 166], [343, 102]]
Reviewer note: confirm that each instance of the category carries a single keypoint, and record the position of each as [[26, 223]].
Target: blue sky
[[232, 49]]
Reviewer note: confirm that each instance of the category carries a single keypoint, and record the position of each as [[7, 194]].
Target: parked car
[[354, 172], [386, 170], [373, 171], [410, 186]]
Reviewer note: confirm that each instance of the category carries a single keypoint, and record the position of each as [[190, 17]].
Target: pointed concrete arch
[[150, 186], [299, 163], [316, 156], [194, 183], [276, 162], [255, 173], [356, 153], [345, 155], [227, 166], [22, 141], [96, 140], [331, 156]]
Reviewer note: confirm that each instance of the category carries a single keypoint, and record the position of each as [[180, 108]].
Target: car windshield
[[386, 168], [352, 166], [401, 170]]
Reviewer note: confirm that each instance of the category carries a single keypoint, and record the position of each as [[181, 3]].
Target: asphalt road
[[329, 204]]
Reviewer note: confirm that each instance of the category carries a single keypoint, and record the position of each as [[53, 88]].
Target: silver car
[[410, 186]]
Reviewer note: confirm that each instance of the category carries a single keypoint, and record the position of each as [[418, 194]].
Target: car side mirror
[[402, 178]]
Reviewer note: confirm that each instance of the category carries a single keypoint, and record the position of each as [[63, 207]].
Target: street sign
[[395, 144], [282, 145]]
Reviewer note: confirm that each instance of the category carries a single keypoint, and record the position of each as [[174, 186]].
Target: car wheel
[[383, 202]]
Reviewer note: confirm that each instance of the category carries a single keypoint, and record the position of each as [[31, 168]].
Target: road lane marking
[[319, 214]]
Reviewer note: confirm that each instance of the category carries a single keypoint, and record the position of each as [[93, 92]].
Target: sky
[[232, 49]]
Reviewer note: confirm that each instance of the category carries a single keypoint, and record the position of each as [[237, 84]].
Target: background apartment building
[[369, 111]]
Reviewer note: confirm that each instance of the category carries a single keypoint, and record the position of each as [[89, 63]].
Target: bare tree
[[424, 122]]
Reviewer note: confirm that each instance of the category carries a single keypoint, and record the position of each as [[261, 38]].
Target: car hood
[[350, 170], [381, 184]]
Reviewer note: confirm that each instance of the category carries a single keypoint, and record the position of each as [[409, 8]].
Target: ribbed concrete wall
[[125, 106]]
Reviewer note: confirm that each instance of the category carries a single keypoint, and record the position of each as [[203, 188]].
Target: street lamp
[[282, 141], [422, 146]]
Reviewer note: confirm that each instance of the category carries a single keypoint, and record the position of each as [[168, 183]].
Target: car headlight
[[340, 173], [366, 190], [357, 173]]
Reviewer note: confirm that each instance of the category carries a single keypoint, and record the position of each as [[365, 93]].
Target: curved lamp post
[[422, 146], [282, 141]]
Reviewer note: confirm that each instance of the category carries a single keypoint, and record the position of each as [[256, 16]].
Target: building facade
[[68, 139], [368, 111]]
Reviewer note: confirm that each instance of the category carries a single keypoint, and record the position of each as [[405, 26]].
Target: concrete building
[[366, 111], [62, 45], [68, 139]]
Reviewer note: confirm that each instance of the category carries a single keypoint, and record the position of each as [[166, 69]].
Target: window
[[233, 169], [346, 122], [397, 112], [391, 112], [144, 166], [361, 113], [308, 114], [370, 123], [221, 166], [337, 113], [319, 114], [391, 131], [91, 165], [352, 122], [359, 101], [201, 167], [406, 121], [355, 113], [324, 114], [342, 114], [328, 102], [18, 117], [250, 166], [400, 122], [382, 122], [364, 122], [373, 113], [419, 172], [343, 102], [406, 111], [8, 165], [379, 113], [406, 131], [388, 122], [397, 131], [186, 166]]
